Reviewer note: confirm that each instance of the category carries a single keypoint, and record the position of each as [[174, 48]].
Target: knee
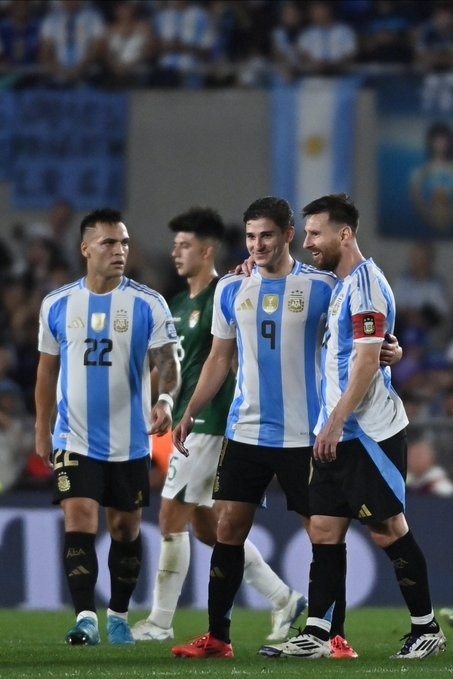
[[389, 531], [230, 531], [172, 518]]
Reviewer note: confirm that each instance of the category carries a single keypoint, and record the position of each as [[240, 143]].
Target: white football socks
[[174, 562], [261, 577]]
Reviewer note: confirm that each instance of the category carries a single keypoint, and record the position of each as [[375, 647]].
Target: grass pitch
[[31, 645]]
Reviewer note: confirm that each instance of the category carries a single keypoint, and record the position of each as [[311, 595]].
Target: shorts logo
[[364, 512], [296, 301], [63, 483], [194, 318], [270, 303], [98, 321], [369, 326], [120, 322]]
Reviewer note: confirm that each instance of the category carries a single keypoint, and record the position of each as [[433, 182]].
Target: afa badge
[[369, 326], [63, 483], [296, 301], [120, 322]]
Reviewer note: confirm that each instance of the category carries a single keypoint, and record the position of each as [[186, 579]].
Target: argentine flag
[[313, 135]]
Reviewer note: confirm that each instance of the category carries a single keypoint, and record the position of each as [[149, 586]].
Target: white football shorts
[[191, 479]]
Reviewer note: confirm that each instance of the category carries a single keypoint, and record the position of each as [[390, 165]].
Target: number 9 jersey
[[278, 324], [104, 386]]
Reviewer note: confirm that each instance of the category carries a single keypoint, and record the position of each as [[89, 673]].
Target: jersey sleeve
[[47, 337], [223, 325], [369, 308], [163, 328]]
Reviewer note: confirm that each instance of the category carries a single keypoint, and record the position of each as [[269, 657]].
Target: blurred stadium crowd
[[216, 43]]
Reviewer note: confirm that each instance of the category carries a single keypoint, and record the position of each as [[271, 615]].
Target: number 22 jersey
[[104, 386]]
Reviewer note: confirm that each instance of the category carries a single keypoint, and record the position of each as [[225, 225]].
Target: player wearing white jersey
[[98, 339], [275, 318], [360, 448], [275, 405], [187, 492]]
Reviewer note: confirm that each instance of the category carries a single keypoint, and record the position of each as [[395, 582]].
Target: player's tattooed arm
[[165, 360]]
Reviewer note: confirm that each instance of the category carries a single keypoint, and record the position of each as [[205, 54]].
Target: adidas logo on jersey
[[245, 306], [76, 323]]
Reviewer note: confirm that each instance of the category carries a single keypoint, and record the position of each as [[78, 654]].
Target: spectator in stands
[[434, 39], [16, 434], [70, 42], [386, 36], [326, 46], [424, 474], [59, 230], [19, 40], [129, 46], [285, 35], [186, 38], [421, 296], [431, 184]]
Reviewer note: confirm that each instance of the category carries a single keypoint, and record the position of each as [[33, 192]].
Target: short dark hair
[[204, 222], [270, 207], [339, 206], [103, 215]]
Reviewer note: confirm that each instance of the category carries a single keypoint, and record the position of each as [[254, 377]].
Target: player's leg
[[174, 560], [78, 483], [240, 484], [127, 491], [389, 530], [188, 483]]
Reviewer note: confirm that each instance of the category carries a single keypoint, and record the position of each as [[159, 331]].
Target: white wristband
[[168, 399]]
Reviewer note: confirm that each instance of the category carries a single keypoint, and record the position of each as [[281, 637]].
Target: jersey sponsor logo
[[98, 321], [76, 323], [296, 302], [194, 318], [121, 322], [245, 306], [369, 326], [270, 303]]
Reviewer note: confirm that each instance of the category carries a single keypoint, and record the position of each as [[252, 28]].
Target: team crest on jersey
[[296, 301], [120, 322], [64, 485], [369, 326], [98, 321], [194, 318], [270, 303]]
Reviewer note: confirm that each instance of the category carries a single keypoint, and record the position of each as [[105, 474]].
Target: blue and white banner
[[67, 144], [313, 134], [415, 156]]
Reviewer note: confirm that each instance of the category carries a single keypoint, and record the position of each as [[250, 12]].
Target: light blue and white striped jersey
[[104, 386], [362, 309], [278, 325]]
